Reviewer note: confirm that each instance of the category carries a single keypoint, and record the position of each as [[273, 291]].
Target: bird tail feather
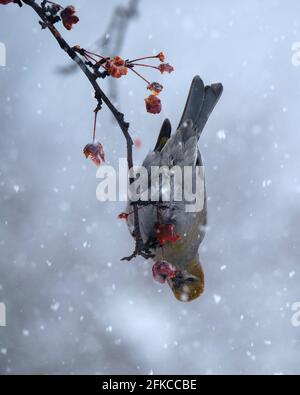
[[200, 103]]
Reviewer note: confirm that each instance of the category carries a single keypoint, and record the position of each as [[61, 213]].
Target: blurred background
[[72, 306]]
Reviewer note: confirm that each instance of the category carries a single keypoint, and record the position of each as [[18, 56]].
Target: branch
[[140, 247], [112, 40]]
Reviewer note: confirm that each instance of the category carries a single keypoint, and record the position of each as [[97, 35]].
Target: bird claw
[[141, 249]]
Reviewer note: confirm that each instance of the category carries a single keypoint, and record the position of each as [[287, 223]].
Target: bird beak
[[189, 284]]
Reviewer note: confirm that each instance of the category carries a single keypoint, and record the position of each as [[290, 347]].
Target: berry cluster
[[116, 67]]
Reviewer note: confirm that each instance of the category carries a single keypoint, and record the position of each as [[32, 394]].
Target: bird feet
[[141, 249]]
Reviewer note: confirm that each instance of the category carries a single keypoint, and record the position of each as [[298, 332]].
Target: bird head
[[188, 283]]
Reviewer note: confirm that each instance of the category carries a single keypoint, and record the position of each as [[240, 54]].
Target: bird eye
[[190, 280]]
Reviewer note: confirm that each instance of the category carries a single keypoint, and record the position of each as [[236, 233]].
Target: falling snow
[[72, 306]]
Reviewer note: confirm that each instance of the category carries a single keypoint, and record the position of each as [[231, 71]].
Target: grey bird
[[173, 234]]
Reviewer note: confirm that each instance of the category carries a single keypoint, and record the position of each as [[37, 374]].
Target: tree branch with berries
[[96, 67], [111, 41]]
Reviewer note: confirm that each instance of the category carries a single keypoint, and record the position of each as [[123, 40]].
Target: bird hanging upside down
[[172, 232]]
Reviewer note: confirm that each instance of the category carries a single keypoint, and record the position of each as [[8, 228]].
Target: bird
[[172, 233]]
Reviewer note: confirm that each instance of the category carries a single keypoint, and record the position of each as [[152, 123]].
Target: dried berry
[[155, 88], [123, 216], [161, 56], [95, 152], [165, 68], [153, 104], [116, 67], [68, 17]]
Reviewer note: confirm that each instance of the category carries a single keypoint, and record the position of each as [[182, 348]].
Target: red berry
[[68, 17], [95, 152], [161, 56], [123, 216], [116, 67], [155, 88], [153, 104], [165, 233], [138, 143], [165, 68]]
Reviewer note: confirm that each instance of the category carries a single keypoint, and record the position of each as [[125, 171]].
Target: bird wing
[[164, 135]]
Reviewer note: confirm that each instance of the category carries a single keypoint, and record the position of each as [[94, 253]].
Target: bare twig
[[100, 96]]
